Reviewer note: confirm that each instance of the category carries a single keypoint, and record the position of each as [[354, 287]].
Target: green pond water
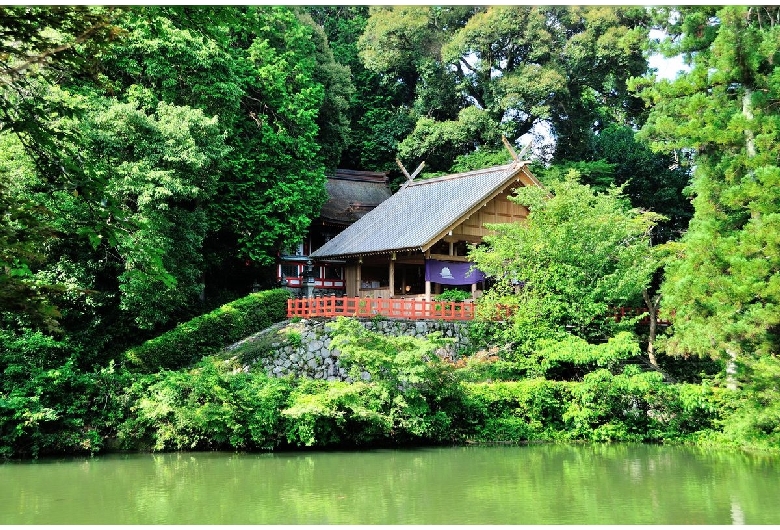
[[544, 484]]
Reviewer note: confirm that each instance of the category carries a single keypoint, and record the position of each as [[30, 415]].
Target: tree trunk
[[731, 370], [652, 304], [747, 111]]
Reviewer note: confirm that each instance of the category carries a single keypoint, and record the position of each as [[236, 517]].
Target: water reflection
[[548, 484]]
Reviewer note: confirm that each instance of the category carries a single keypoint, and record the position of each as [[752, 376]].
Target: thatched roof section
[[351, 194], [420, 213]]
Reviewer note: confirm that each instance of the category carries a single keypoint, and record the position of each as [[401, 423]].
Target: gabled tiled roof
[[351, 194], [421, 211]]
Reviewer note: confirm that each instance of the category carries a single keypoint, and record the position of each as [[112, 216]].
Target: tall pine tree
[[724, 288]]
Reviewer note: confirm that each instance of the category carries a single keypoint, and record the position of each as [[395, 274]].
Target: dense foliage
[[724, 286], [478, 72], [155, 159], [412, 397]]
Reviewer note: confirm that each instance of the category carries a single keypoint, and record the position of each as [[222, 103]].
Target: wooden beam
[[403, 169], [524, 150], [411, 261], [417, 171], [391, 273], [447, 257], [510, 148], [463, 237], [515, 156], [409, 178]]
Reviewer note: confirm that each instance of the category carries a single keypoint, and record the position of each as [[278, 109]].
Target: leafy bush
[[61, 410], [513, 411], [629, 407], [208, 334], [486, 365], [23, 350], [751, 417], [216, 405], [636, 406], [452, 295], [422, 391], [476, 370], [337, 413], [571, 357]]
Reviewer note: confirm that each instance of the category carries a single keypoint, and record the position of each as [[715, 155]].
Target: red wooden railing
[[334, 306], [410, 309]]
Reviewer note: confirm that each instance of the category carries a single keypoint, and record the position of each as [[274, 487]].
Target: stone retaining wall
[[302, 348]]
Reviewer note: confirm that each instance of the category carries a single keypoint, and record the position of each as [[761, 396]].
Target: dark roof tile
[[351, 194]]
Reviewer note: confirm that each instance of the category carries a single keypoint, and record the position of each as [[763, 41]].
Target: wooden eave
[[529, 180]]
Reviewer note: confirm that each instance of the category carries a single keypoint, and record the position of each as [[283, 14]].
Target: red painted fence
[[334, 306]]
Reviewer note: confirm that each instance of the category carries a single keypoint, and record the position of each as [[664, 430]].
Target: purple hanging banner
[[452, 272]]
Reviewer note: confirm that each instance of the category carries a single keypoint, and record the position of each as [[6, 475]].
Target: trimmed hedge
[[208, 334]]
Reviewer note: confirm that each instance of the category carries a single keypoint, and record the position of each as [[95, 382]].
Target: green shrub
[[637, 406], [208, 334], [630, 407], [515, 411], [215, 405], [452, 295], [61, 410], [421, 390], [751, 417], [26, 350], [336, 413], [486, 366], [573, 356], [294, 339]]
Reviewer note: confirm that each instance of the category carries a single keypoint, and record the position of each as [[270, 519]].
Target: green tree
[[40, 45], [159, 169], [652, 180], [333, 118], [379, 110], [23, 232], [255, 68], [578, 257], [512, 68], [161, 166], [724, 286]]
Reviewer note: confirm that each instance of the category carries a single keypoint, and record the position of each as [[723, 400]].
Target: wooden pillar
[[474, 290], [427, 283], [392, 275], [359, 279]]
